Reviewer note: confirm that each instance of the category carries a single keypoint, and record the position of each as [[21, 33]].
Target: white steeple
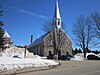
[[57, 18], [6, 35], [57, 12]]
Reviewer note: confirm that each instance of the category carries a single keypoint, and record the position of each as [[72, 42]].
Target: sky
[[23, 18]]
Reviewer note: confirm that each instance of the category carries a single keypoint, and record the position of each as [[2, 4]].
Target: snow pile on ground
[[38, 57], [78, 57], [18, 64], [90, 54], [16, 51], [80, 54], [13, 59], [98, 55]]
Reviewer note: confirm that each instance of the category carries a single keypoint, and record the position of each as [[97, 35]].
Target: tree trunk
[[84, 53]]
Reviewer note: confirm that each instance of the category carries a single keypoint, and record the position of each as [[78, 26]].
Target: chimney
[[31, 39]]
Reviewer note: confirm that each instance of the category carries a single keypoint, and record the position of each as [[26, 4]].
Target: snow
[[10, 63], [80, 54], [12, 51], [78, 58], [90, 54], [39, 57], [17, 64]]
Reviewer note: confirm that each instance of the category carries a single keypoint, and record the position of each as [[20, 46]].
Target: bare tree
[[56, 37], [96, 24], [48, 26], [56, 40], [82, 30], [1, 30], [51, 40], [96, 19], [89, 32]]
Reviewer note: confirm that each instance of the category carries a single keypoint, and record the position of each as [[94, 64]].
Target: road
[[71, 68]]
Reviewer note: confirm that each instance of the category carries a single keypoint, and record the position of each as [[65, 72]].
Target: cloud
[[30, 13]]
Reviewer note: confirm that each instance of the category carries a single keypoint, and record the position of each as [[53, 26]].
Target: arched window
[[58, 22]]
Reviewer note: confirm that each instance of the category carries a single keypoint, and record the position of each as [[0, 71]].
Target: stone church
[[55, 42]]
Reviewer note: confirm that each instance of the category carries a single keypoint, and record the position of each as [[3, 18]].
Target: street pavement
[[86, 67]]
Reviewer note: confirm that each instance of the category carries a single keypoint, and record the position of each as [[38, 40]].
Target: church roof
[[39, 40], [57, 12], [6, 35]]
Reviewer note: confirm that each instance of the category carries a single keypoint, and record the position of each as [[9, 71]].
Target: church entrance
[[59, 53], [49, 53]]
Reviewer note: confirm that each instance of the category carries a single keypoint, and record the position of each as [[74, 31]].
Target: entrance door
[[59, 53], [49, 53]]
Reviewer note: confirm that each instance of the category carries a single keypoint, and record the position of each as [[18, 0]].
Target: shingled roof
[[39, 40]]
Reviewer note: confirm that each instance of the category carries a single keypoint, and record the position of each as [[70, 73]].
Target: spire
[[6, 35], [57, 12], [57, 18]]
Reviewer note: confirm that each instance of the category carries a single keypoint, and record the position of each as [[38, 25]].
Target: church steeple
[[57, 18]]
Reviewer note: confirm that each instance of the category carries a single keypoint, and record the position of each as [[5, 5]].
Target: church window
[[58, 22], [37, 50]]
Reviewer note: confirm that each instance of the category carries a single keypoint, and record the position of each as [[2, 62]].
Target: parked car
[[66, 57], [50, 56], [92, 57], [97, 57]]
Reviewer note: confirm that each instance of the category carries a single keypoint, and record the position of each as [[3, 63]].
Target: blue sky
[[25, 17]]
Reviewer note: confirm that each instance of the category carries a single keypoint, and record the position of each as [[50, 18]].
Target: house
[[55, 42]]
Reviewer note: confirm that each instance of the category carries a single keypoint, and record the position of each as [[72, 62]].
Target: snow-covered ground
[[90, 54], [78, 57], [9, 62], [13, 59], [18, 64], [15, 51]]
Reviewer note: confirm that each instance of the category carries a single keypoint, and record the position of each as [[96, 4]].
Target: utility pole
[[25, 50]]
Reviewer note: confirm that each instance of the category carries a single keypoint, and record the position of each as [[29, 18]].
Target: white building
[[7, 41]]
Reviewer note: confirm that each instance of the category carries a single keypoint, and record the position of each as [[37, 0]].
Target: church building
[[55, 42]]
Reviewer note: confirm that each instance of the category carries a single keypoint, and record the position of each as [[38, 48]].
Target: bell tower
[[7, 41], [57, 18]]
